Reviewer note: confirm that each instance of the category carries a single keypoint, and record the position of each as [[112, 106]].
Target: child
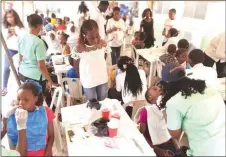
[[153, 125], [170, 57], [182, 57], [72, 72], [40, 133], [63, 41], [53, 43], [73, 36], [137, 42], [48, 26]]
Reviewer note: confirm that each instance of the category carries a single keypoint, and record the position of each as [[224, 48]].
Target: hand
[[21, 118], [114, 29], [12, 109]]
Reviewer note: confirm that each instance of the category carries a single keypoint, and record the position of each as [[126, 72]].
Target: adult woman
[[33, 54], [131, 82], [115, 29], [196, 108], [171, 38], [147, 24], [13, 28], [91, 51]]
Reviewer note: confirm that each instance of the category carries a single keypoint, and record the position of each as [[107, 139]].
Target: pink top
[[50, 116], [143, 119]]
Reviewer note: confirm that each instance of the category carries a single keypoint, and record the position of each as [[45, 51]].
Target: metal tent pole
[[10, 60]]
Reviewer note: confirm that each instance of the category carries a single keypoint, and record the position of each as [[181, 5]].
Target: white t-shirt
[[171, 24], [99, 18], [216, 49], [12, 42], [120, 81], [172, 40], [199, 71], [116, 38], [54, 45], [93, 67]]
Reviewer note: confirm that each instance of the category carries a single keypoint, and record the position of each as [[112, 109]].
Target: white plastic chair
[[74, 87], [57, 102], [136, 106]]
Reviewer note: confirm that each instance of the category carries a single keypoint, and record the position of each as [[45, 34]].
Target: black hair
[[173, 32], [104, 3], [183, 44], [173, 10], [133, 81], [34, 20], [82, 8], [146, 10], [123, 60], [60, 21], [42, 15], [172, 48], [72, 29], [48, 19], [53, 15], [18, 22], [196, 56], [35, 91], [179, 52], [116, 9], [87, 25], [65, 35], [186, 86]]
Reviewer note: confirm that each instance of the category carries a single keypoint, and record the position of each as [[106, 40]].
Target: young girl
[[53, 43], [138, 41], [40, 133], [13, 28], [63, 41], [153, 125], [172, 38], [91, 54]]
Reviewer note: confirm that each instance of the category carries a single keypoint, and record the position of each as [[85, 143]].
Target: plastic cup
[[105, 113], [112, 132], [116, 115], [113, 127]]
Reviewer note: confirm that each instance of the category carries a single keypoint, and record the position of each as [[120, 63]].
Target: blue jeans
[[98, 92], [6, 68]]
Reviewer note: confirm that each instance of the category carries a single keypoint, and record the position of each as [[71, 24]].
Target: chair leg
[[68, 101]]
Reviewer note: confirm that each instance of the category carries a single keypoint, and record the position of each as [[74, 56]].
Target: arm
[[164, 32], [20, 58], [43, 69], [22, 142], [49, 146]]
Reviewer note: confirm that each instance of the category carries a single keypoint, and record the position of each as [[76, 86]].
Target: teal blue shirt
[[33, 50]]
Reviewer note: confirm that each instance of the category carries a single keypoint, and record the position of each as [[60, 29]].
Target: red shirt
[[61, 27]]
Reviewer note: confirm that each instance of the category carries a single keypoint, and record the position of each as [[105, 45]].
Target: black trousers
[[115, 54], [221, 67]]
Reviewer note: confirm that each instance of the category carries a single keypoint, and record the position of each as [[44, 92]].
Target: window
[[162, 7], [195, 9]]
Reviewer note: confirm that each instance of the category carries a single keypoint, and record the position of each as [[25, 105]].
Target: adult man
[[199, 71], [99, 18], [215, 53], [171, 22]]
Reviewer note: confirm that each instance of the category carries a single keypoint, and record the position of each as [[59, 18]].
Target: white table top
[[60, 68], [93, 145], [151, 54]]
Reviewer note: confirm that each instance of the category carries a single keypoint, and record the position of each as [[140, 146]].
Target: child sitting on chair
[[153, 125], [170, 56], [63, 41], [138, 41], [39, 126]]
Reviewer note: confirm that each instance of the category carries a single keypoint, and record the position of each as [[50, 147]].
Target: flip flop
[[4, 91]]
